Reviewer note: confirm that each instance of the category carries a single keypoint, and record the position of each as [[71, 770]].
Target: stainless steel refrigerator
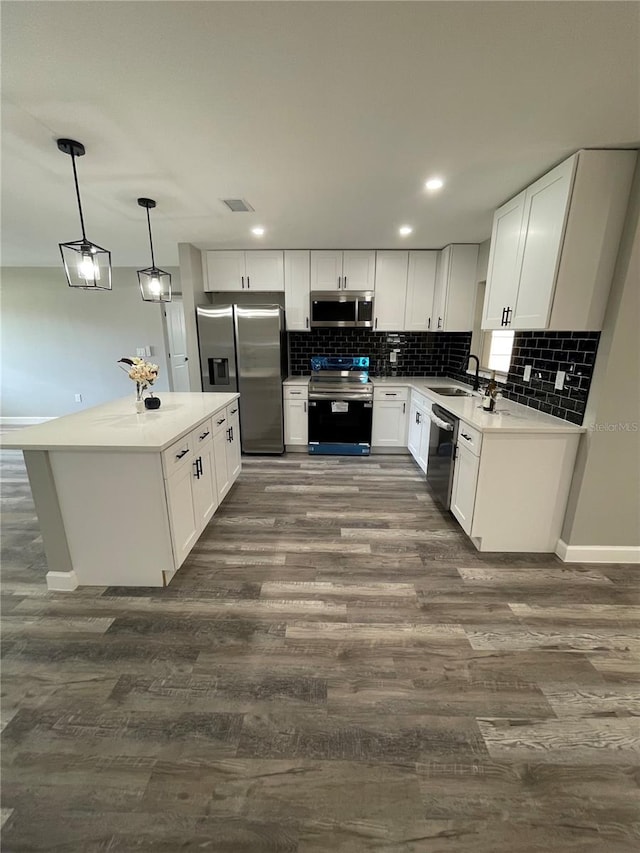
[[243, 348]]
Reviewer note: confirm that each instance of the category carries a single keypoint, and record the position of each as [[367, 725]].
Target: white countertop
[[509, 417], [297, 380], [116, 426]]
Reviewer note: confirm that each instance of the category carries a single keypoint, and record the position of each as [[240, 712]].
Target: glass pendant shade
[[87, 265], [155, 285]]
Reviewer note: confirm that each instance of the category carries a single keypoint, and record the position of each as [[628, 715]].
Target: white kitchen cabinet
[[421, 281], [234, 450], [571, 220], [391, 290], [220, 444], [296, 422], [419, 429], [465, 478], [390, 416], [182, 512], [297, 286], [244, 271], [205, 492], [343, 270], [503, 255], [455, 288]]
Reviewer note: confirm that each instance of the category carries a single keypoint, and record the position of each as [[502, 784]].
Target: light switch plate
[[560, 375], [527, 373], [140, 352]]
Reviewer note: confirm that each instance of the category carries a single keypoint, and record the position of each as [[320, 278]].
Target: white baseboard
[[597, 553], [62, 581], [23, 421]]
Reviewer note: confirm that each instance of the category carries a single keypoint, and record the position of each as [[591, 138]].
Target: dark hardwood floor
[[335, 669]]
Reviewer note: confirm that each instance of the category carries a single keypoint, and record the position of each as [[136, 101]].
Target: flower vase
[[139, 399]]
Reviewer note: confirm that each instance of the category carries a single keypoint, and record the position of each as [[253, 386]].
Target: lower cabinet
[[465, 480], [390, 417], [204, 468], [419, 429], [296, 422]]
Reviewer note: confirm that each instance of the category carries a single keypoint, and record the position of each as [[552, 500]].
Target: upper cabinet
[[421, 282], [343, 270], [391, 290], [236, 271], [554, 246], [296, 290], [455, 288]]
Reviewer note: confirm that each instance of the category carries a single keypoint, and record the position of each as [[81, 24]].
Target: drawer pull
[[295, 392], [468, 437], [182, 453], [233, 411], [390, 394], [221, 421], [204, 435]]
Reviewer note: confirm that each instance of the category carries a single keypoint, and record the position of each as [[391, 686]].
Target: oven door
[[442, 440], [340, 426]]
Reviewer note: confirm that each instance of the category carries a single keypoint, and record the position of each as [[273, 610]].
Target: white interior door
[[177, 337]]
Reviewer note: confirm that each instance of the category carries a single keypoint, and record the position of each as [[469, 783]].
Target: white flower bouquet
[[142, 372]]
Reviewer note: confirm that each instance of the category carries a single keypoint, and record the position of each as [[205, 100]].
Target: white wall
[[58, 341]]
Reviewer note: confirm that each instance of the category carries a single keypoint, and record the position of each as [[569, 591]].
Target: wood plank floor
[[335, 669]]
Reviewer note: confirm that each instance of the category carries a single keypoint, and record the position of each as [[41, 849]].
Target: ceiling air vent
[[238, 205]]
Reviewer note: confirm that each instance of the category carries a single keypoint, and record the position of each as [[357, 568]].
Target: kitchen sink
[[449, 391]]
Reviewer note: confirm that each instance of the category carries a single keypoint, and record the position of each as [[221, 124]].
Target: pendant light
[[87, 265], [155, 284]]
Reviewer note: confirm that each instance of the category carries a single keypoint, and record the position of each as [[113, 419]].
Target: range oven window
[[337, 422]]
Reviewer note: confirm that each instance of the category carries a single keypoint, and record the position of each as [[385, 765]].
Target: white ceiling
[[326, 117]]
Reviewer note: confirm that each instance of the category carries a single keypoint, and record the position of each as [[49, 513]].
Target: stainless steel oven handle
[[439, 422], [341, 398]]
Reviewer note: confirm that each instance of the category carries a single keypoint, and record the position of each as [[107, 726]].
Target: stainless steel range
[[340, 406]]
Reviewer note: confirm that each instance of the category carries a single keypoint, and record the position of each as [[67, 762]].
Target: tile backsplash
[[447, 353], [546, 352], [421, 353]]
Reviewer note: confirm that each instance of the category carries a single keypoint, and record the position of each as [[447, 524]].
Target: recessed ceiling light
[[258, 231], [405, 230], [434, 184]]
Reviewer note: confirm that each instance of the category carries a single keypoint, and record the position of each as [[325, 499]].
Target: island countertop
[[115, 426]]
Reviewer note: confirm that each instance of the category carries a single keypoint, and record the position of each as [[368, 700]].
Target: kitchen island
[[122, 497]]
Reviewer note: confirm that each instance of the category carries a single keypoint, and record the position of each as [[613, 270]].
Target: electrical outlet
[[140, 352], [78, 398], [527, 373], [147, 351], [560, 375]]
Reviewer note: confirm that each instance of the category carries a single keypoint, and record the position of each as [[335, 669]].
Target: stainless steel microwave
[[342, 309]]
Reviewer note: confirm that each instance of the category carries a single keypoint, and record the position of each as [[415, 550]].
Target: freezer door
[[259, 356], [217, 352]]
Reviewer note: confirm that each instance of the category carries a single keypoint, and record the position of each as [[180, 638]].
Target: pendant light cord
[[153, 260], [75, 178]]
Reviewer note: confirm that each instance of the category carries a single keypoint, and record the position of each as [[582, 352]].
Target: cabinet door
[[234, 453], [358, 270], [545, 212], [205, 492], [461, 288], [182, 514], [421, 282], [413, 435], [391, 289], [220, 443], [425, 433], [264, 270], [225, 271], [297, 280], [502, 272], [389, 424], [465, 478], [440, 290], [326, 270], [296, 422]]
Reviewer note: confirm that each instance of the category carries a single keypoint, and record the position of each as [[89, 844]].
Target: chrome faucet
[[476, 380]]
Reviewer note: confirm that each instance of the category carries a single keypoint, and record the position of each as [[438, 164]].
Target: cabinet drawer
[[202, 434], [219, 421], [233, 411], [388, 392], [178, 454], [470, 438], [296, 392], [421, 401]]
